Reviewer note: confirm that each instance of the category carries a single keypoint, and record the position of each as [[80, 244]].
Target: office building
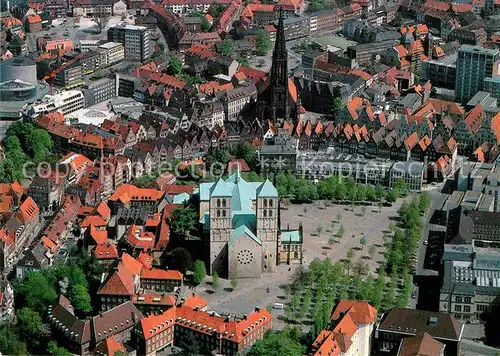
[[98, 91], [135, 40], [471, 279], [492, 86], [66, 102], [111, 53], [441, 72], [400, 324], [474, 64]]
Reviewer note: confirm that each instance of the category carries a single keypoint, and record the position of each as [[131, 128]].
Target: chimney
[[245, 317], [257, 309]]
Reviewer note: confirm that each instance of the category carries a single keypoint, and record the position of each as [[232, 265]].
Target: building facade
[[474, 64], [135, 40], [241, 219]]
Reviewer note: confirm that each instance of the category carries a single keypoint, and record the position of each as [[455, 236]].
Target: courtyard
[[267, 290]]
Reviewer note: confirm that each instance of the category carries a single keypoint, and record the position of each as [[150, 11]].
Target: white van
[[278, 306]]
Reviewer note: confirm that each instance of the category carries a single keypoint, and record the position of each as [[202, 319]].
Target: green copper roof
[[220, 189], [267, 189], [291, 236], [180, 198], [241, 231]]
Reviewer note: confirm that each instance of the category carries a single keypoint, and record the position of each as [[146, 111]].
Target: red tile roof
[[106, 251], [34, 19], [131, 264], [108, 347], [155, 324], [421, 345], [119, 283], [140, 239], [128, 192], [146, 259], [474, 119], [195, 301], [495, 126], [156, 273], [28, 210]]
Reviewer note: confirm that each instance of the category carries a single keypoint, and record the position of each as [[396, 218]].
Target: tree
[[215, 10], [36, 292], [80, 298], [29, 323], [363, 210], [392, 195], [263, 42], [174, 66], [379, 204], [215, 281], [225, 48], [339, 217], [245, 151], [205, 24], [180, 259], [359, 268], [319, 230], [243, 62], [199, 271], [331, 241], [371, 251], [424, 202], [362, 241], [182, 220], [234, 283], [10, 344], [338, 106], [349, 257], [101, 17], [305, 211], [284, 343], [341, 232]]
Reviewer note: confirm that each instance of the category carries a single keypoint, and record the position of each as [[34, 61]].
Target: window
[[223, 203], [218, 213], [467, 308], [218, 203], [467, 300], [265, 203], [458, 308], [270, 203], [265, 213], [223, 213], [458, 299], [270, 213]]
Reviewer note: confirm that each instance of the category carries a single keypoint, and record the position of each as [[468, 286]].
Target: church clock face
[[244, 257]]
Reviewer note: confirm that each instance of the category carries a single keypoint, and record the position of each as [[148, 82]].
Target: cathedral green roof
[[267, 189], [220, 189], [241, 231]]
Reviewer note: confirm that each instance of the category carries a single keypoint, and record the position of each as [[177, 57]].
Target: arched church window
[[265, 203], [270, 213], [270, 203], [218, 203], [218, 213], [265, 213], [223, 213], [223, 203]]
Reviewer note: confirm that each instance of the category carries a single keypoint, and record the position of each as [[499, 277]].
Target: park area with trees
[[315, 290]]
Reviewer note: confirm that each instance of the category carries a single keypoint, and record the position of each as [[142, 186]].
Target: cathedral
[[278, 100], [241, 221]]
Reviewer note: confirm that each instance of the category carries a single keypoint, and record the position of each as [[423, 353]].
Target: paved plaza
[[253, 292]]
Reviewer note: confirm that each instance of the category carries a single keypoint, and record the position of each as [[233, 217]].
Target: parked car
[[426, 242]]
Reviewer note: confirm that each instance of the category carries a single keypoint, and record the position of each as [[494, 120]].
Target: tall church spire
[[279, 75]]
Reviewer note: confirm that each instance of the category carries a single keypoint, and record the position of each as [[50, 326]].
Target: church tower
[[279, 76], [267, 224], [220, 225]]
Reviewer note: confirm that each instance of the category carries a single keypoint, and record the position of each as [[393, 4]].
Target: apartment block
[[474, 64], [135, 40]]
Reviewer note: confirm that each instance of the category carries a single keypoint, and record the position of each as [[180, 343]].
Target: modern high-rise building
[[135, 39], [474, 64]]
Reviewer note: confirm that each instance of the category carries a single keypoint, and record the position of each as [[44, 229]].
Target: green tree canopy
[[80, 298], [225, 48], [199, 271], [10, 344], [174, 66], [263, 41], [285, 343], [54, 350], [36, 292], [337, 107], [183, 220], [205, 24], [180, 259]]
